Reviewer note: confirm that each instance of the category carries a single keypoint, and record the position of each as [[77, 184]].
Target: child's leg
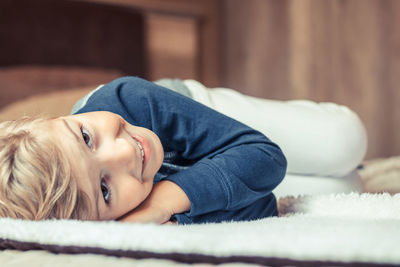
[[317, 138]]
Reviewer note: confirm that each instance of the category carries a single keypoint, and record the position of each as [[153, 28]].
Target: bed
[[331, 223]]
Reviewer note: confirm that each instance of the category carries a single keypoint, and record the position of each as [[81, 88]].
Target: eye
[[86, 137], [105, 190]]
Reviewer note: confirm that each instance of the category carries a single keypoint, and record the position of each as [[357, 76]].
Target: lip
[[146, 149]]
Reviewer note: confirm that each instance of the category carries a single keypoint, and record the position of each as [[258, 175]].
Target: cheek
[[131, 195]]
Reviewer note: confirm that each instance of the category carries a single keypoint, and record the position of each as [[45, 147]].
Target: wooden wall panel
[[345, 51], [172, 46], [255, 47]]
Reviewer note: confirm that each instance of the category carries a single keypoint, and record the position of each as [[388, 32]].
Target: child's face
[[114, 161]]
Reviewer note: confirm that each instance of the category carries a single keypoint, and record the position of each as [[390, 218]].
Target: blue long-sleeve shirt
[[226, 169]]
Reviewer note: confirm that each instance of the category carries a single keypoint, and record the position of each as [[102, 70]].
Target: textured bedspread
[[345, 229]]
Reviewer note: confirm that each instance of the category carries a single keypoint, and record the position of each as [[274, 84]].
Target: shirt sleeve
[[233, 164]]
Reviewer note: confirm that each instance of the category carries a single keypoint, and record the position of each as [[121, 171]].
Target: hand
[[147, 212], [171, 223], [165, 200]]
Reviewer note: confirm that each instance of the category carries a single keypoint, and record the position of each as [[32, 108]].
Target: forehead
[[66, 136]]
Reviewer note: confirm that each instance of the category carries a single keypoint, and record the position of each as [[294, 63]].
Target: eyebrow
[[79, 140]]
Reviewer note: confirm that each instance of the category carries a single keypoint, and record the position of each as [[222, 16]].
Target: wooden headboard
[[56, 45], [96, 40]]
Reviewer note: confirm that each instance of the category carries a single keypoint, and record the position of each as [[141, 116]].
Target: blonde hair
[[36, 181]]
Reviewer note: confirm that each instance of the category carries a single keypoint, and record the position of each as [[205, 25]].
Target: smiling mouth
[[144, 148], [140, 147]]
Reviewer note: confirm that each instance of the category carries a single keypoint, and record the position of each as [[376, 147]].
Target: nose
[[119, 156]]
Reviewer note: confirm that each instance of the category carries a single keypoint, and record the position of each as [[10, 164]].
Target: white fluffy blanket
[[334, 229]]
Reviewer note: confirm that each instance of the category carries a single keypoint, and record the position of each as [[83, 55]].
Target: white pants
[[318, 139]]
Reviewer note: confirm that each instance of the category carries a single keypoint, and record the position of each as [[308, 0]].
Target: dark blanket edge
[[178, 257]]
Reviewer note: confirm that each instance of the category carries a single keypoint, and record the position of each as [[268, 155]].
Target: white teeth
[[141, 149]]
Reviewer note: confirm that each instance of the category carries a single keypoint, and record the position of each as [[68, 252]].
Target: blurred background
[[345, 51]]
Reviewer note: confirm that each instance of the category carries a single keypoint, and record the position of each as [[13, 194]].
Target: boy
[[151, 155]]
